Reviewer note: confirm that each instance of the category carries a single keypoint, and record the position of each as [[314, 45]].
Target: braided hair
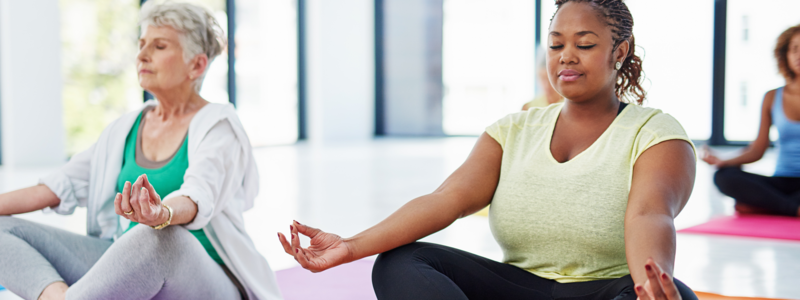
[[619, 18]]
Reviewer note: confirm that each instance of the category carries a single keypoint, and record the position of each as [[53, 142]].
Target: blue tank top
[[788, 140]]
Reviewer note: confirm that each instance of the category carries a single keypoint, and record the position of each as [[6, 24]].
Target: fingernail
[[292, 235], [664, 276], [648, 267], [296, 250], [298, 223], [291, 227], [279, 235], [639, 288]]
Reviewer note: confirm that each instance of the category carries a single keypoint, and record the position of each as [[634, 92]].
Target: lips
[[569, 75]]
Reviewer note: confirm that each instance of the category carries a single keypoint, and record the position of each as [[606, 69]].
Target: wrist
[[352, 249], [163, 217], [166, 222]]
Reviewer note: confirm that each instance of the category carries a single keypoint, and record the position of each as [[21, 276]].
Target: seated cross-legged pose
[[779, 194], [583, 194], [192, 154]]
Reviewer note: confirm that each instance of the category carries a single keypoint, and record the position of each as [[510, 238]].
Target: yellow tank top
[[565, 221]]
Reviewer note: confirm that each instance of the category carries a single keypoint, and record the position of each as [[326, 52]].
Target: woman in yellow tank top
[[583, 194]]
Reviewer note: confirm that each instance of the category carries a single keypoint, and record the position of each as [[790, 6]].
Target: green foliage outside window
[[99, 66]]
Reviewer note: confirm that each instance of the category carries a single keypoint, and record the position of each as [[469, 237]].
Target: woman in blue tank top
[[779, 194]]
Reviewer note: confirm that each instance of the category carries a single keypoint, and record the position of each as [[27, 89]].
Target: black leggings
[[779, 195], [430, 271]]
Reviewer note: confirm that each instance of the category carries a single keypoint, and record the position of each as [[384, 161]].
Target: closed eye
[[556, 47], [586, 47]]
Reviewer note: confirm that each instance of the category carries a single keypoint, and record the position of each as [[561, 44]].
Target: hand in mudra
[[140, 203], [327, 250], [711, 159], [659, 285]]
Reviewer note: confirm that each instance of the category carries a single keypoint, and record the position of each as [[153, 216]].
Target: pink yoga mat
[[351, 281], [772, 227]]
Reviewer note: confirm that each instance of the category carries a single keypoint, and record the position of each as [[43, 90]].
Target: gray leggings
[[143, 264]]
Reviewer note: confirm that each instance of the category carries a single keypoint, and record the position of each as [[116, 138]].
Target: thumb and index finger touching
[[307, 230]]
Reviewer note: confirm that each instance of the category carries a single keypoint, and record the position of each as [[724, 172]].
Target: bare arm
[[27, 200], [758, 147], [663, 177], [469, 189]]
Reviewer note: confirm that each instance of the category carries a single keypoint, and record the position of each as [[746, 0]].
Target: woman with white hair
[[194, 154]]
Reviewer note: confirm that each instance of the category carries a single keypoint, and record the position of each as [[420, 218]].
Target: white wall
[[30, 83], [340, 70]]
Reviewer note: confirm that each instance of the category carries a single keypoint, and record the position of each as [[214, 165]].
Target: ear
[[198, 65], [622, 52]]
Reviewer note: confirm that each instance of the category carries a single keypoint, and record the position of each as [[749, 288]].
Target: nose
[[144, 55], [568, 55]]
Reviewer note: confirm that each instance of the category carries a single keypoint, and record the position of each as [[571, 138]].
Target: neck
[[177, 102], [594, 109], [793, 84]]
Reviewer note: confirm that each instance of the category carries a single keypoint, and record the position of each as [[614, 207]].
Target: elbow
[[649, 217]]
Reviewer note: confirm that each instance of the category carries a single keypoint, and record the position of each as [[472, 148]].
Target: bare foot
[[55, 291], [744, 209]]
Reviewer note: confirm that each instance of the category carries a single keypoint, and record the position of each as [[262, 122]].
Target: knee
[[684, 290], [146, 240], [726, 177], [8, 223], [390, 261]]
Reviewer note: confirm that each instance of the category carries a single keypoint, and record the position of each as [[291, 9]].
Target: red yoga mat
[[771, 227]]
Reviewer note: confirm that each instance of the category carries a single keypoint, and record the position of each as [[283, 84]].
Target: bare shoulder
[[769, 97]]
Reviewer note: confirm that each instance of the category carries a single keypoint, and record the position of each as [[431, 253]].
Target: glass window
[[677, 59], [488, 62], [750, 67], [677, 81], [99, 45], [266, 70]]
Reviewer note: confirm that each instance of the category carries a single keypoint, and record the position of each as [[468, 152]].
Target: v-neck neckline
[[552, 130]]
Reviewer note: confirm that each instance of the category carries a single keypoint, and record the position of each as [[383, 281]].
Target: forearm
[[649, 236], [183, 210], [27, 200], [416, 219], [750, 154]]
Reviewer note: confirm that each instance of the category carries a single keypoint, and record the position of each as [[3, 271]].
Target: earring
[[617, 66]]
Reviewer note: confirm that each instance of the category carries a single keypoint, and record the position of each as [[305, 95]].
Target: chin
[[572, 94]]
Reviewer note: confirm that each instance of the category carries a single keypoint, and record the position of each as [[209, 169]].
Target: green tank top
[[165, 180]]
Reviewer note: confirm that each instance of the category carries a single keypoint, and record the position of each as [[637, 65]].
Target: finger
[[286, 246], [667, 284], [125, 202], [146, 184], [301, 258], [670, 289], [117, 201], [295, 239], [136, 188], [641, 293], [654, 277], [144, 205], [307, 230]]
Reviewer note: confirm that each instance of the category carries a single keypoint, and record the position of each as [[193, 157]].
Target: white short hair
[[199, 31]]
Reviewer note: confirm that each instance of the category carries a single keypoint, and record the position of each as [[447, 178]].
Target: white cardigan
[[222, 179]]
